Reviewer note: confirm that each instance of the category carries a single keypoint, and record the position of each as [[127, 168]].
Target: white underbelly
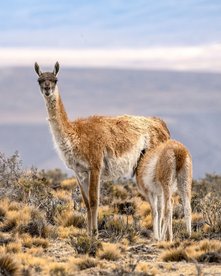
[[118, 168], [123, 166]]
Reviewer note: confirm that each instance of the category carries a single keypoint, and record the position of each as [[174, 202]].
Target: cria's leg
[[153, 202], [187, 214], [171, 219], [94, 188], [160, 207], [184, 184], [184, 191], [167, 224]]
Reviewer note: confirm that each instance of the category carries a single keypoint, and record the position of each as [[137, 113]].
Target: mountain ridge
[[188, 102]]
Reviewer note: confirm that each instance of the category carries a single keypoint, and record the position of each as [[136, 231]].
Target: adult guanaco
[[97, 148]]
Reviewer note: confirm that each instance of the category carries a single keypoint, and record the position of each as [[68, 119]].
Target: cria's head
[[47, 80]]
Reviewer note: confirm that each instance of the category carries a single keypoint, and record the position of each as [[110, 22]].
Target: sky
[[117, 33]]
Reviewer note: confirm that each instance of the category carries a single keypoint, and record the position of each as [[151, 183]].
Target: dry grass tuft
[[210, 245], [14, 206], [14, 247], [143, 207], [109, 252], [63, 197], [146, 269], [39, 242], [4, 204], [57, 269], [205, 250], [8, 225], [168, 244], [2, 214], [73, 219], [197, 217], [67, 232], [8, 266], [119, 192], [85, 263], [174, 255], [69, 184], [147, 222], [29, 242], [33, 264], [2, 251], [5, 239], [197, 235]]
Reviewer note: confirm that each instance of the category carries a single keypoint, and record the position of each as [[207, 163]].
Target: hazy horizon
[[189, 102]]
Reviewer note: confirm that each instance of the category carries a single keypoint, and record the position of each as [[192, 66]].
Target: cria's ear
[[37, 69], [56, 68]]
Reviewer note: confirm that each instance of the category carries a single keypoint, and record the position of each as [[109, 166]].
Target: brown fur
[[116, 135]]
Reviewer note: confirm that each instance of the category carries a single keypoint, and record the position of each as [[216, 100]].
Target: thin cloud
[[109, 24], [192, 58]]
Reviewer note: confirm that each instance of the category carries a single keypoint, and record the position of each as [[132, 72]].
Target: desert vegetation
[[43, 228]]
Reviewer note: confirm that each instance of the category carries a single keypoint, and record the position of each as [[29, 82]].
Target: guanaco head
[[47, 80]]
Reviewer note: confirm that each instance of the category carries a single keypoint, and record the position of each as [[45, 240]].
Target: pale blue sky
[[109, 24]]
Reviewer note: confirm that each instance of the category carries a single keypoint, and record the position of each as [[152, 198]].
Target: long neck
[[57, 115]]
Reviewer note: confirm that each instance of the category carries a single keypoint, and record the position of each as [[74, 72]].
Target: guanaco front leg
[[94, 190], [84, 187], [86, 202]]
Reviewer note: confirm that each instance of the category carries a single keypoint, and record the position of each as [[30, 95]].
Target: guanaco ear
[[56, 68], [37, 69]]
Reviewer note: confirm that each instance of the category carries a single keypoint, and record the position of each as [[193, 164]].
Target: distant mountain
[[190, 103]]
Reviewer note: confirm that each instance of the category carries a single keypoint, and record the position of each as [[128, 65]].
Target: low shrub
[[36, 227], [211, 209], [85, 245]]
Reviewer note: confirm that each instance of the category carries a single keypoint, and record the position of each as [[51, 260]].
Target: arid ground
[[43, 228]]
